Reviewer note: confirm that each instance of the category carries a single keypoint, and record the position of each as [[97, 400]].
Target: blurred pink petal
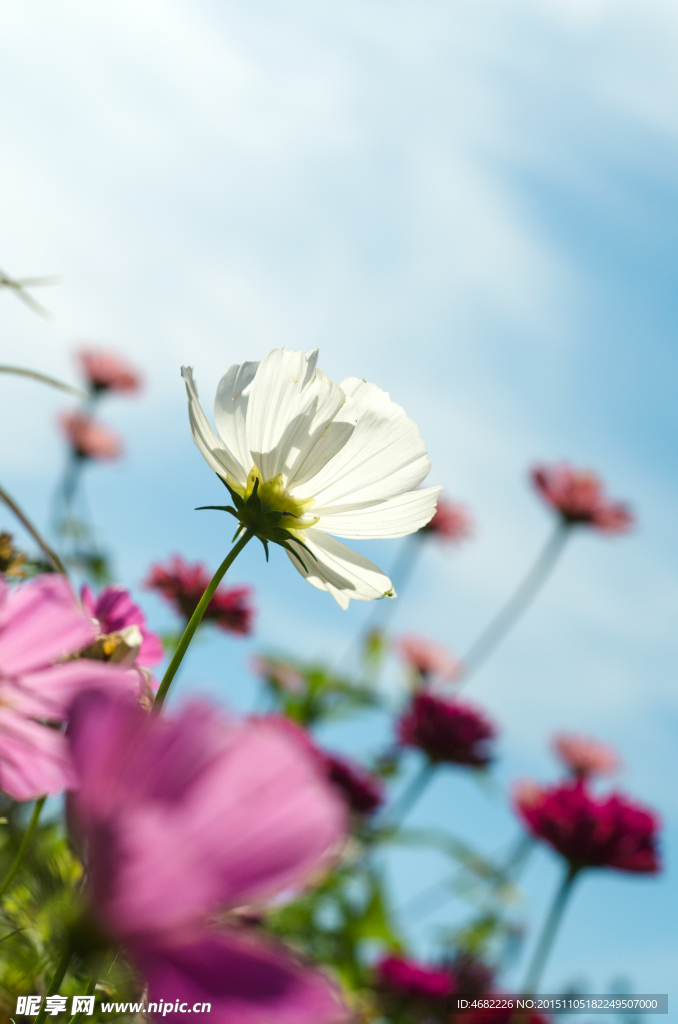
[[428, 659], [33, 760], [90, 439], [451, 522], [199, 812], [585, 756], [115, 610], [246, 981], [107, 371], [48, 694], [578, 496], [40, 622]]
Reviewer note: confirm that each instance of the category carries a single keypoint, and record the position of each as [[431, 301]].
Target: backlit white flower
[[338, 459]]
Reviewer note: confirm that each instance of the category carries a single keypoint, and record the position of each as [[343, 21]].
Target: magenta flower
[[447, 730], [451, 522], [188, 816], [182, 585], [578, 496], [589, 832], [411, 981], [585, 756], [90, 439], [427, 659], [116, 612], [106, 371], [41, 624]]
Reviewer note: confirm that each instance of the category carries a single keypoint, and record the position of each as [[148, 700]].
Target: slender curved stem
[[23, 846], [195, 618], [91, 987], [20, 371], [51, 555], [548, 933], [408, 798], [55, 983], [518, 603]]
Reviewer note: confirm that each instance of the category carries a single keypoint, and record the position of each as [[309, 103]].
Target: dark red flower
[[589, 831], [473, 975], [451, 522], [578, 496], [446, 729], [363, 792], [183, 584], [410, 979], [106, 371]]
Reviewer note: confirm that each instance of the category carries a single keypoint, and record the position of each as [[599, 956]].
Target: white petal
[[385, 456], [230, 411], [212, 449], [297, 419], [394, 518], [330, 565]]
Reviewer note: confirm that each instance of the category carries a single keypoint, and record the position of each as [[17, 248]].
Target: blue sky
[[471, 204]]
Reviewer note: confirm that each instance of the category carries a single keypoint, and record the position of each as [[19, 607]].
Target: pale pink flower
[[278, 674], [115, 612], [578, 496], [90, 439], [107, 371], [183, 817], [40, 624], [427, 659], [585, 756], [451, 522]]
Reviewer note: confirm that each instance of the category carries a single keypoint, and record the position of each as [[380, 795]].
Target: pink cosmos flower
[[447, 730], [578, 496], [428, 659], [106, 371], [90, 439], [40, 624], [182, 585], [407, 977], [607, 832], [585, 756], [186, 816], [451, 523], [115, 611]]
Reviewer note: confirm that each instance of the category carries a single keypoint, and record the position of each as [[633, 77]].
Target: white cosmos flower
[[338, 459]]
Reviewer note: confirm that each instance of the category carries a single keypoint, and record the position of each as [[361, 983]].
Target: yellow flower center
[[274, 498]]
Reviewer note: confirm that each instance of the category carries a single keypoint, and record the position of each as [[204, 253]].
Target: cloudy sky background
[[473, 205]]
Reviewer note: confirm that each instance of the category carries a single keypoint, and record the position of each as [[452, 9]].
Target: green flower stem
[[195, 619], [55, 983], [518, 603], [91, 987], [408, 798], [23, 846], [548, 934], [50, 555]]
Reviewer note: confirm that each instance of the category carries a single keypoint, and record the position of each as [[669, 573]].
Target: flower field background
[[555, 346]]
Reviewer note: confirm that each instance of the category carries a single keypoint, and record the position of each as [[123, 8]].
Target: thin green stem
[[518, 603], [51, 556], [55, 983], [23, 846], [20, 371], [91, 987], [548, 933], [408, 798], [195, 619]]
